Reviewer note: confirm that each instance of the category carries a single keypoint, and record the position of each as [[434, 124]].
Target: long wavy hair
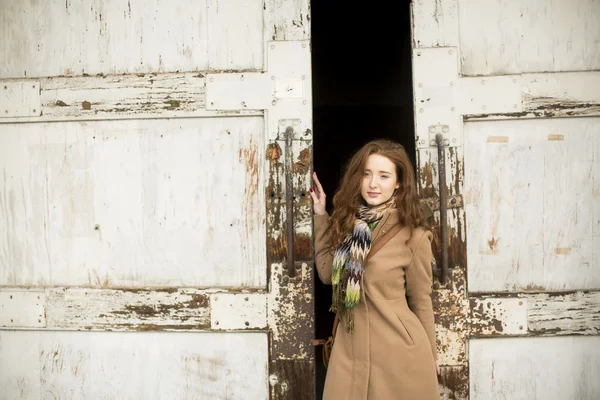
[[348, 197]]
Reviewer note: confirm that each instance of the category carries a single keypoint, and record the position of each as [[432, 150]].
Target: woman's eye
[[384, 177], [366, 174]]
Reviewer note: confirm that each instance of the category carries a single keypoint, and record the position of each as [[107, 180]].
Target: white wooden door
[[155, 231], [513, 88]]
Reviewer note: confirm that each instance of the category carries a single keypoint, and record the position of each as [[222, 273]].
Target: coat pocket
[[409, 336]]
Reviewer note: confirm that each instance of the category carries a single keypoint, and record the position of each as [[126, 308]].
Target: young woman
[[385, 345]]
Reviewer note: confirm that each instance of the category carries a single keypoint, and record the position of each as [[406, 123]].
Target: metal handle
[[289, 266], [439, 141]]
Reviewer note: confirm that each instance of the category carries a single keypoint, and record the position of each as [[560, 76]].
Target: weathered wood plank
[[435, 23], [292, 380], [287, 19], [564, 314], [235, 35], [133, 203], [137, 310], [91, 365], [558, 41], [113, 97], [103, 96], [291, 321], [557, 94], [535, 368], [539, 314], [149, 309], [450, 300], [105, 37], [451, 309], [531, 205], [454, 383], [562, 94]]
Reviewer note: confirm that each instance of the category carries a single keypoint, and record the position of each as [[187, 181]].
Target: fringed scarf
[[348, 262]]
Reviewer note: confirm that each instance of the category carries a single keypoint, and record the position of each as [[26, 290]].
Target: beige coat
[[391, 354]]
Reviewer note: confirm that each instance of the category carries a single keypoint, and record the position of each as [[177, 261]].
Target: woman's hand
[[318, 196]]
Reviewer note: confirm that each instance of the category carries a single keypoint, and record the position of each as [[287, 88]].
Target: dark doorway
[[362, 90]]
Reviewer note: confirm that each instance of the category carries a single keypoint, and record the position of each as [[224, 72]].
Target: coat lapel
[[390, 218]]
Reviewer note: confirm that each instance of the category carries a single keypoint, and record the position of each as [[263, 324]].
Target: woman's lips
[[372, 194]]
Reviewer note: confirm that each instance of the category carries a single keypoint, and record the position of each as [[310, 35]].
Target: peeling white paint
[[567, 314], [500, 37], [435, 23], [133, 203], [529, 197], [535, 368], [116, 37], [84, 365], [500, 316]]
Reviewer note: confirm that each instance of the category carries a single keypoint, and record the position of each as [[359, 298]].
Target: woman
[[385, 342]]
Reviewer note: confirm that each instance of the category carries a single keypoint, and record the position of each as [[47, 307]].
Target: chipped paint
[[290, 301], [497, 316], [557, 94], [287, 20], [453, 381], [426, 180], [517, 246], [121, 95], [107, 309], [292, 380], [280, 303], [455, 201], [291, 334], [451, 308], [564, 313], [498, 299], [72, 365]]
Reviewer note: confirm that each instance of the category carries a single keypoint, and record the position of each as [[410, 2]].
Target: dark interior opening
[[362, 90]]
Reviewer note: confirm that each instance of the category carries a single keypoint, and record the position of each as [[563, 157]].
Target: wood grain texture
[[235, 35], [544, 36], [122, 95], [564, 314], [435, 23], [530, 198], [287, 19], [84, 365], [535, 368], [133, 203], [117, 37]]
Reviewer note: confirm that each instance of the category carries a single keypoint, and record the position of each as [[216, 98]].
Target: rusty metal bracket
[[432, 204], [438, 130]]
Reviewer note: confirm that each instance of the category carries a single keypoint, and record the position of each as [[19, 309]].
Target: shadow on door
[[362, 90]]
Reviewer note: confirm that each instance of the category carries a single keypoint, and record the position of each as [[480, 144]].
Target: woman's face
[[379, 180]]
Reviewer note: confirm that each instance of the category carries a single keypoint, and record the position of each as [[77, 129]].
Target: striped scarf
[[348, 262]]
